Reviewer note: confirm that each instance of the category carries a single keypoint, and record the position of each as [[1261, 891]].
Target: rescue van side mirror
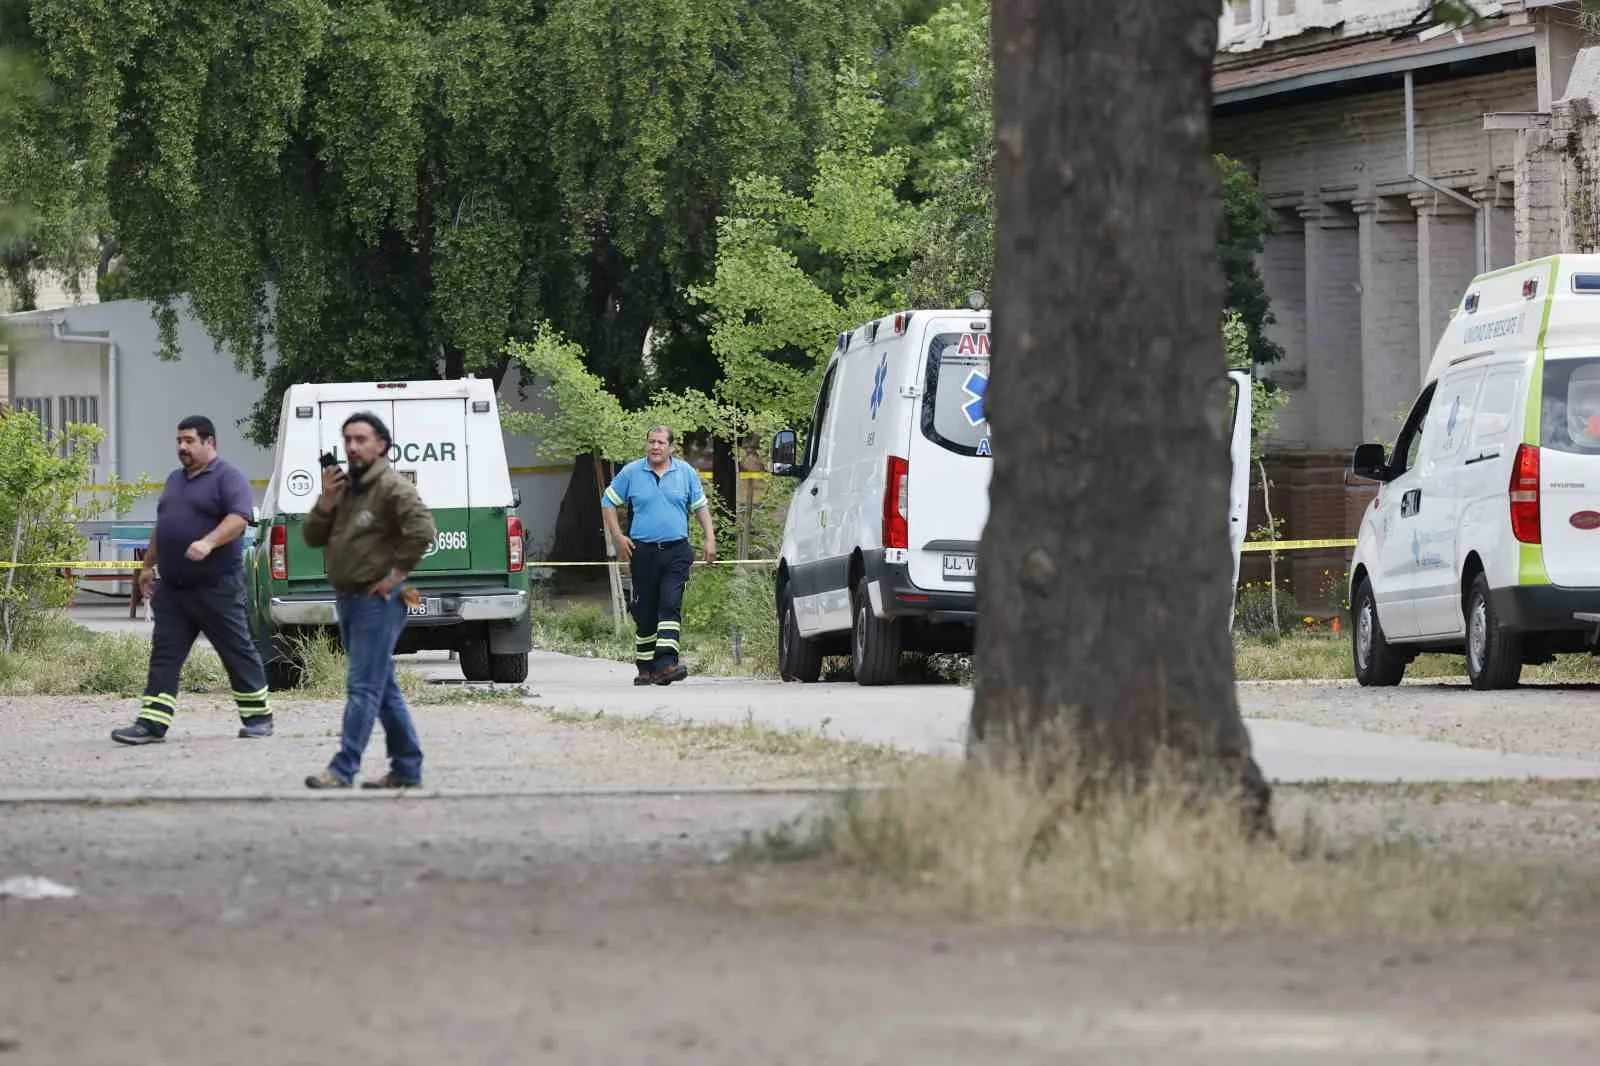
[[785, 446], [1371, 462]]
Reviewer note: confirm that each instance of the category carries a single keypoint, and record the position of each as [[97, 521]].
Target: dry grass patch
[[1312, 657], [784, 754], [967, 844]]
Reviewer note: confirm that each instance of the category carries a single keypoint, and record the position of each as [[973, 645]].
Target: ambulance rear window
[[953, 412], [1570, 418]]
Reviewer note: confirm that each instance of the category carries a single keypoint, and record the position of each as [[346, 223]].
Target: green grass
[[64, 659], [1318, 657]]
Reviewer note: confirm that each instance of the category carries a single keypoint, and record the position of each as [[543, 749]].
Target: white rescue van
[[1484, 539], [880, 545]]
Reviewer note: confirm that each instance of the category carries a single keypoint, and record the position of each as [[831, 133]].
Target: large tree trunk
[[1104, 595]]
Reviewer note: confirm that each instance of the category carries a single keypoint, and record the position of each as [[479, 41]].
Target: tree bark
[[1105, 563]]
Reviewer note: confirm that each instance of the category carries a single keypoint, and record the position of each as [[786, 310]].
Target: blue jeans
[[369, 627]]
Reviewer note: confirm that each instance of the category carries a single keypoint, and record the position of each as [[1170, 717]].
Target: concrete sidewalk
[[933, 719]]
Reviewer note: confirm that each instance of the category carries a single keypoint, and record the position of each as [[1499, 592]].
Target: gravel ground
[[567, 930], [1531, 720], [59, 744], [580, 914]]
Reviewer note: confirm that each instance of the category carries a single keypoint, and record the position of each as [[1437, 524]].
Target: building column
[[1446, 264], [1333, 326], [1283, 272], [1497, 223], [1389, 320]]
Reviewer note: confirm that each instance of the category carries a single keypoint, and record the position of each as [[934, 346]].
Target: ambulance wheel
[[508, 669], [1378, 663], [874, 642], [799, 659], [1494, 656], [476, 664]]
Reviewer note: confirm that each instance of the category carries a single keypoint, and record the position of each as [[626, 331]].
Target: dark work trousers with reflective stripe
[[660, 572], [183, 613]]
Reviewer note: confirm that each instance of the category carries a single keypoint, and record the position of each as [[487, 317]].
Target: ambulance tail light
[[514, 543], [1524, 494], [278, 552], [896, 489]]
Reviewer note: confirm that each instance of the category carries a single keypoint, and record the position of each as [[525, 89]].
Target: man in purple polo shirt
[[204, 509]]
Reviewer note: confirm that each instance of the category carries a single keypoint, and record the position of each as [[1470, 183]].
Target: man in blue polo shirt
[[204, 509], [660, 492]]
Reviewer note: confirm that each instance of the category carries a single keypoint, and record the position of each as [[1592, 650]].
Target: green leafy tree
[[793, 270], [586, 418], [44, 494], [392, 188]]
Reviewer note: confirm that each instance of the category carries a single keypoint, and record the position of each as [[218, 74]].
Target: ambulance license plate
[[961, 567]]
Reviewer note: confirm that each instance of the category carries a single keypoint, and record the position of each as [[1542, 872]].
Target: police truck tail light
[[278, 553], [514, 543], [895, 490], [1524, 494]]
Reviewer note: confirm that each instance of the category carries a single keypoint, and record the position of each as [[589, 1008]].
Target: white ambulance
[[880, 545], [473, 585], [1484, 539]]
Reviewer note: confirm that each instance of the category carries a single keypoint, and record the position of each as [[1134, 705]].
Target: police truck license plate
[[961, 567], [423, 608]]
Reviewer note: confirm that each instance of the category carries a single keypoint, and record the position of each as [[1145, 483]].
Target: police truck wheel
[[508, 669], [799, 659], [1378, 663], [475, 661], [874, 642], [1494, 656]]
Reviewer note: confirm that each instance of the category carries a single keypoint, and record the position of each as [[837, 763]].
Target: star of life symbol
[[878, 379], [976, 386]]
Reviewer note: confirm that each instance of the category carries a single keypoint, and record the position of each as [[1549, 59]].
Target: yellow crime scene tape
[[1296, 545], [134, 564]]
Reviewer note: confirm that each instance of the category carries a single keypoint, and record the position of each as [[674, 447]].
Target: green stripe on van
[[1530, 562]]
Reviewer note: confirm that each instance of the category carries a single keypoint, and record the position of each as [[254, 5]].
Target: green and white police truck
[[473, 583]]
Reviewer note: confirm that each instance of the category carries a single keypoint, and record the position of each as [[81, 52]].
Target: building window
[[56, 413], [1285, 7], [81, 411], [41, 408]]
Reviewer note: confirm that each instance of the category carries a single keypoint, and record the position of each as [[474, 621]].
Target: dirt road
[[603, 929]]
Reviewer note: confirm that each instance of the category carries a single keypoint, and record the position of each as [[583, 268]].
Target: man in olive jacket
[[373, 528]]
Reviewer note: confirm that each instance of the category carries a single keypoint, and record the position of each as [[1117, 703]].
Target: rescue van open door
[[1240, 408]]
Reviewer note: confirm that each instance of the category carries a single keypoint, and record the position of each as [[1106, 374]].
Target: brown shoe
[[326, 779], [390, 781], [668, 674]]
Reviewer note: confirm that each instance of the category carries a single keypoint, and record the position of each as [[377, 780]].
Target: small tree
[[45, 487]]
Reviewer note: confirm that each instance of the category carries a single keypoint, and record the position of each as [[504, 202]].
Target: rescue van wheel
[[476, 662], [1494, 656], [508, 669], [799, 659], [874, 643], [1377, 662]]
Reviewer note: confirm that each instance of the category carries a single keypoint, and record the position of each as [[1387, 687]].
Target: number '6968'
[[449, 540]]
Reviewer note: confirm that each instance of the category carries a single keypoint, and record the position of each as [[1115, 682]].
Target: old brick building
[[1400, 157]]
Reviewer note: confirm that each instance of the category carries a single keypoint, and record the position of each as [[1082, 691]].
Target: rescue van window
[[1571, 406], [954, 414]]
